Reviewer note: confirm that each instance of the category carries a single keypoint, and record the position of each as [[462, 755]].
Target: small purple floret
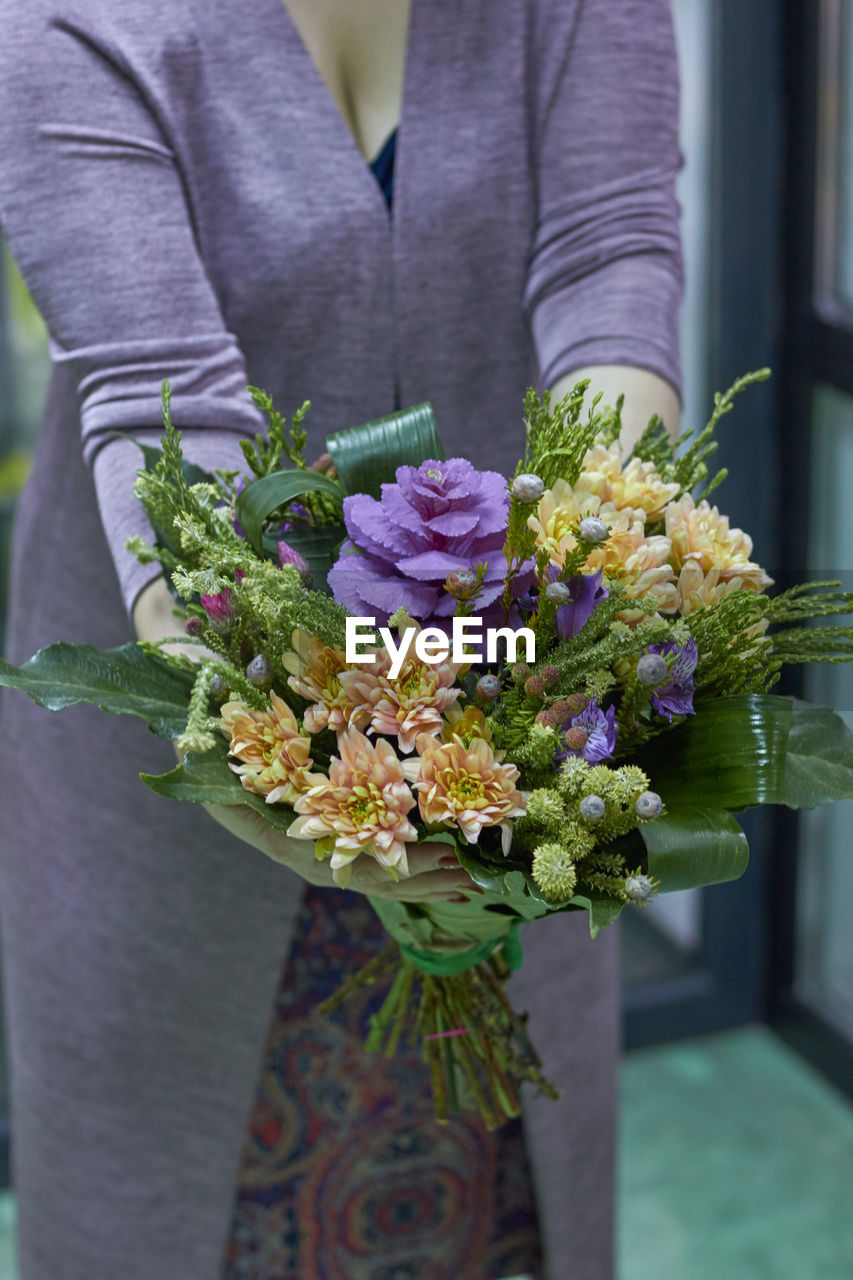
[[601, 730], [586, 594], [676, 696]]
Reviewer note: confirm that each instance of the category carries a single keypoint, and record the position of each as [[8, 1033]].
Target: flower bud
[[528, 488], [546, 716], [219, 608], [592, 808], [648, 805], [652, 669], [259, 671], [194, 627], [520, 672], [459, 583], [551, 676], [239, 575], [534, 686], [218, 685], [639, 888], [488, 688], [576, 738], [558, 593], [577, 702], [562, 710], [288, 555], [592, 529]]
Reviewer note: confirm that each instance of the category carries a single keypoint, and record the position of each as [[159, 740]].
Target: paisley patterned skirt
[[345, 1174]]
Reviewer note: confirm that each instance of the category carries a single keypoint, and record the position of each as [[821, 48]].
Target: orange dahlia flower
[[700, 533], [361, 807], [411, 703], [464, 786], [639, 486], [270, 754], [315, 675]]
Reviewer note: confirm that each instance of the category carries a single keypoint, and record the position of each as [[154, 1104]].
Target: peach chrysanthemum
[[315, 675], [467, 725], [411, 703], [272, 753], [466, 787], [558, 511], [700, 533], [361, 807], [641, 563], [638, 487]]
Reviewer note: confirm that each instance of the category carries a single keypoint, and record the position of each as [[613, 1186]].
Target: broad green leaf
[[694, 845], [208, 780], [602, 911], [819, 763], [730, 755], [317, 543], [368, 456], [123, 681], [266, 495]]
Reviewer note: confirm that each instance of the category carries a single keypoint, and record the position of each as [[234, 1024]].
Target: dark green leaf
[[317, 543], [730, 755], [208, 780], [602, 911], [692, 846], [123, 681], [368, 456], [260, 498], [819, 763]]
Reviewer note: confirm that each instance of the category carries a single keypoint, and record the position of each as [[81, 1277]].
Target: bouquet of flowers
[[566, 674]]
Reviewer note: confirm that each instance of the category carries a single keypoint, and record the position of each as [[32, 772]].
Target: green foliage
[[558, 438], [690, 469]]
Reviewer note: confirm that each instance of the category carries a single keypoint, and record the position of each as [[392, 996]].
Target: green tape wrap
[[448, 966]]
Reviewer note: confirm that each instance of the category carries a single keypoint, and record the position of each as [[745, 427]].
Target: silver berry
[[592, 808], [652, 669], [488, 687], [528, 488], [218, 685], [648, 805], [558, 593], [259, 671], [592, 529], [639, 888]]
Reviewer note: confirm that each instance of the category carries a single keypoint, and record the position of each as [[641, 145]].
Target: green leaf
[[317, 543], [123, 681], [819, 762], [602, 911], [266, 495], [366, 457], [207, 779], [691, 846], [730, 755]]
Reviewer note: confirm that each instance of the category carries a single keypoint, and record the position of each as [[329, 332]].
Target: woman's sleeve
[[96, 214], [605, 276]]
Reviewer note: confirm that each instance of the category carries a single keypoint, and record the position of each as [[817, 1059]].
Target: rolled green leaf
[[602, 911], [123, 681], [260, 498], [730, 755], [368, 456], [695, 845]]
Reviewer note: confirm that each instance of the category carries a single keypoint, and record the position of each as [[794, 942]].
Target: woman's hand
[[435, 872]]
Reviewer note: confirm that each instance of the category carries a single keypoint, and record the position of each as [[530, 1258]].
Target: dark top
[[382, 167]]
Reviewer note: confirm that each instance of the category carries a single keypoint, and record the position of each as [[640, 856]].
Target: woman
[[187, 195]]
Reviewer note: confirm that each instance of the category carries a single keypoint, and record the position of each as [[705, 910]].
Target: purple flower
[[586, 592], [438, 518], [676, 696], [590, 734]]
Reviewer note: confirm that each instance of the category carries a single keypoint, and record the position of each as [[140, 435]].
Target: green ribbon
[[448, 966]]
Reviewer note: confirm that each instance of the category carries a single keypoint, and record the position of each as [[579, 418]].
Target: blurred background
[[737, 1147]]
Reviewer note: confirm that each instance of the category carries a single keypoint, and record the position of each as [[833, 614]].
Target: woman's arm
[[645, 394]]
